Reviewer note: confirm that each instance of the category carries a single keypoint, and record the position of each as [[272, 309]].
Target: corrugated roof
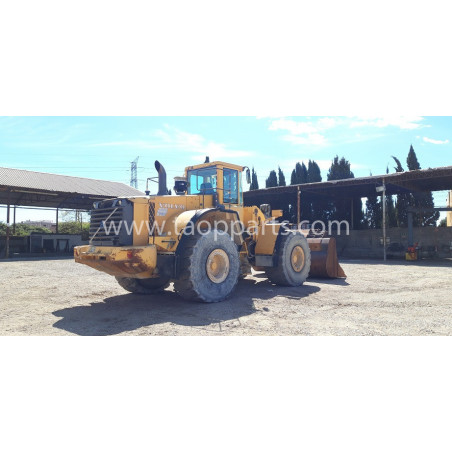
[[431, 179], [18, 178], [54, 190]]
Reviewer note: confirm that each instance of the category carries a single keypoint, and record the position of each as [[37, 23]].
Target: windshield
[[202, 181], [230, 186]]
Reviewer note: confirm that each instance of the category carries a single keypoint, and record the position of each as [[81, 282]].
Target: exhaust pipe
[[163, 190]]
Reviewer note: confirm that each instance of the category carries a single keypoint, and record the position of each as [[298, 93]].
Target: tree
[[373, 212], [399, 167], [412, 161], [403, 200], [415, 199], [272, 180], [281, 178], [23, 229], [316, 205], [299, 175], [254, 183], [443, 223], [391, 212], [342, 209], [340, 169], [314, 174], [74, 227], [421, 199]]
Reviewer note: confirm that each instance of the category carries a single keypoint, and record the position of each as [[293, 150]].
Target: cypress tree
[[391, 212], [281, 178], [254, 183], [421, 199], [340, 169], [314, 174], [399, 167], [373, 214], [412, 161], [316, 205], [403, 200], [299, 175], [341, 209], [272, 180]]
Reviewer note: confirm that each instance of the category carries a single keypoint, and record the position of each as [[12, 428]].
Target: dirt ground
[[59, 297]]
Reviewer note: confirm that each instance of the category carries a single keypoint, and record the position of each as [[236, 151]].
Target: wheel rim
[[217, 266], [297, 259]]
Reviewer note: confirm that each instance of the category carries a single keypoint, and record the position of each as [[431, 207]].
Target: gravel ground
[[59, 297]]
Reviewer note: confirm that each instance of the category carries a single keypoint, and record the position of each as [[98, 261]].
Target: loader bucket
[[324, 262]]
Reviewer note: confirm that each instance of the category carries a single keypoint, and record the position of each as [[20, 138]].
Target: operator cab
[[217, 178]]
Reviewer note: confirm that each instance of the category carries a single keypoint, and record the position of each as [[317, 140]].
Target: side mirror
[[248, 176]]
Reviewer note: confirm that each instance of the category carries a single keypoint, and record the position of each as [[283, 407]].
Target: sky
[[104, 147]]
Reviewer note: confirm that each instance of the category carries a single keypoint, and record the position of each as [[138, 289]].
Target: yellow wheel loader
[[202, 238]]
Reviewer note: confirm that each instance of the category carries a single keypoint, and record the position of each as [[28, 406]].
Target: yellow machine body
[[214, 194]]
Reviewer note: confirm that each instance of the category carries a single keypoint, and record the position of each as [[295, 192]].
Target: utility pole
[[134, 173]]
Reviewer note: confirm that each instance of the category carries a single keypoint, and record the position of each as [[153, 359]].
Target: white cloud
[[312, 138], [294, 127], [323, 131], [176, 139], [191, 142], [431, 140], [402, 122], [304, 132]]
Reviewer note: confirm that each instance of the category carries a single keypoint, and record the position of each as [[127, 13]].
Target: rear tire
[[209, 267], [144, 286], [293, 261]]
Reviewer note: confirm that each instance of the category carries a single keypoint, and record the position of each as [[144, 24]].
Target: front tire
[[209, 267], [293, 260], [144, 286]]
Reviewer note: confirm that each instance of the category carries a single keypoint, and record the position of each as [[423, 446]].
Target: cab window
[[202, 181], [230, 186]]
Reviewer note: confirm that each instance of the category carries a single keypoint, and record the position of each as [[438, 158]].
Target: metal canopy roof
[[30, 188], [433, 179]]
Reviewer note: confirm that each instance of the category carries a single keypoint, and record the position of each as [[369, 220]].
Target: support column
[[56, 222], [383, 200], [7, 228], [14, 220], [298, 207]]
